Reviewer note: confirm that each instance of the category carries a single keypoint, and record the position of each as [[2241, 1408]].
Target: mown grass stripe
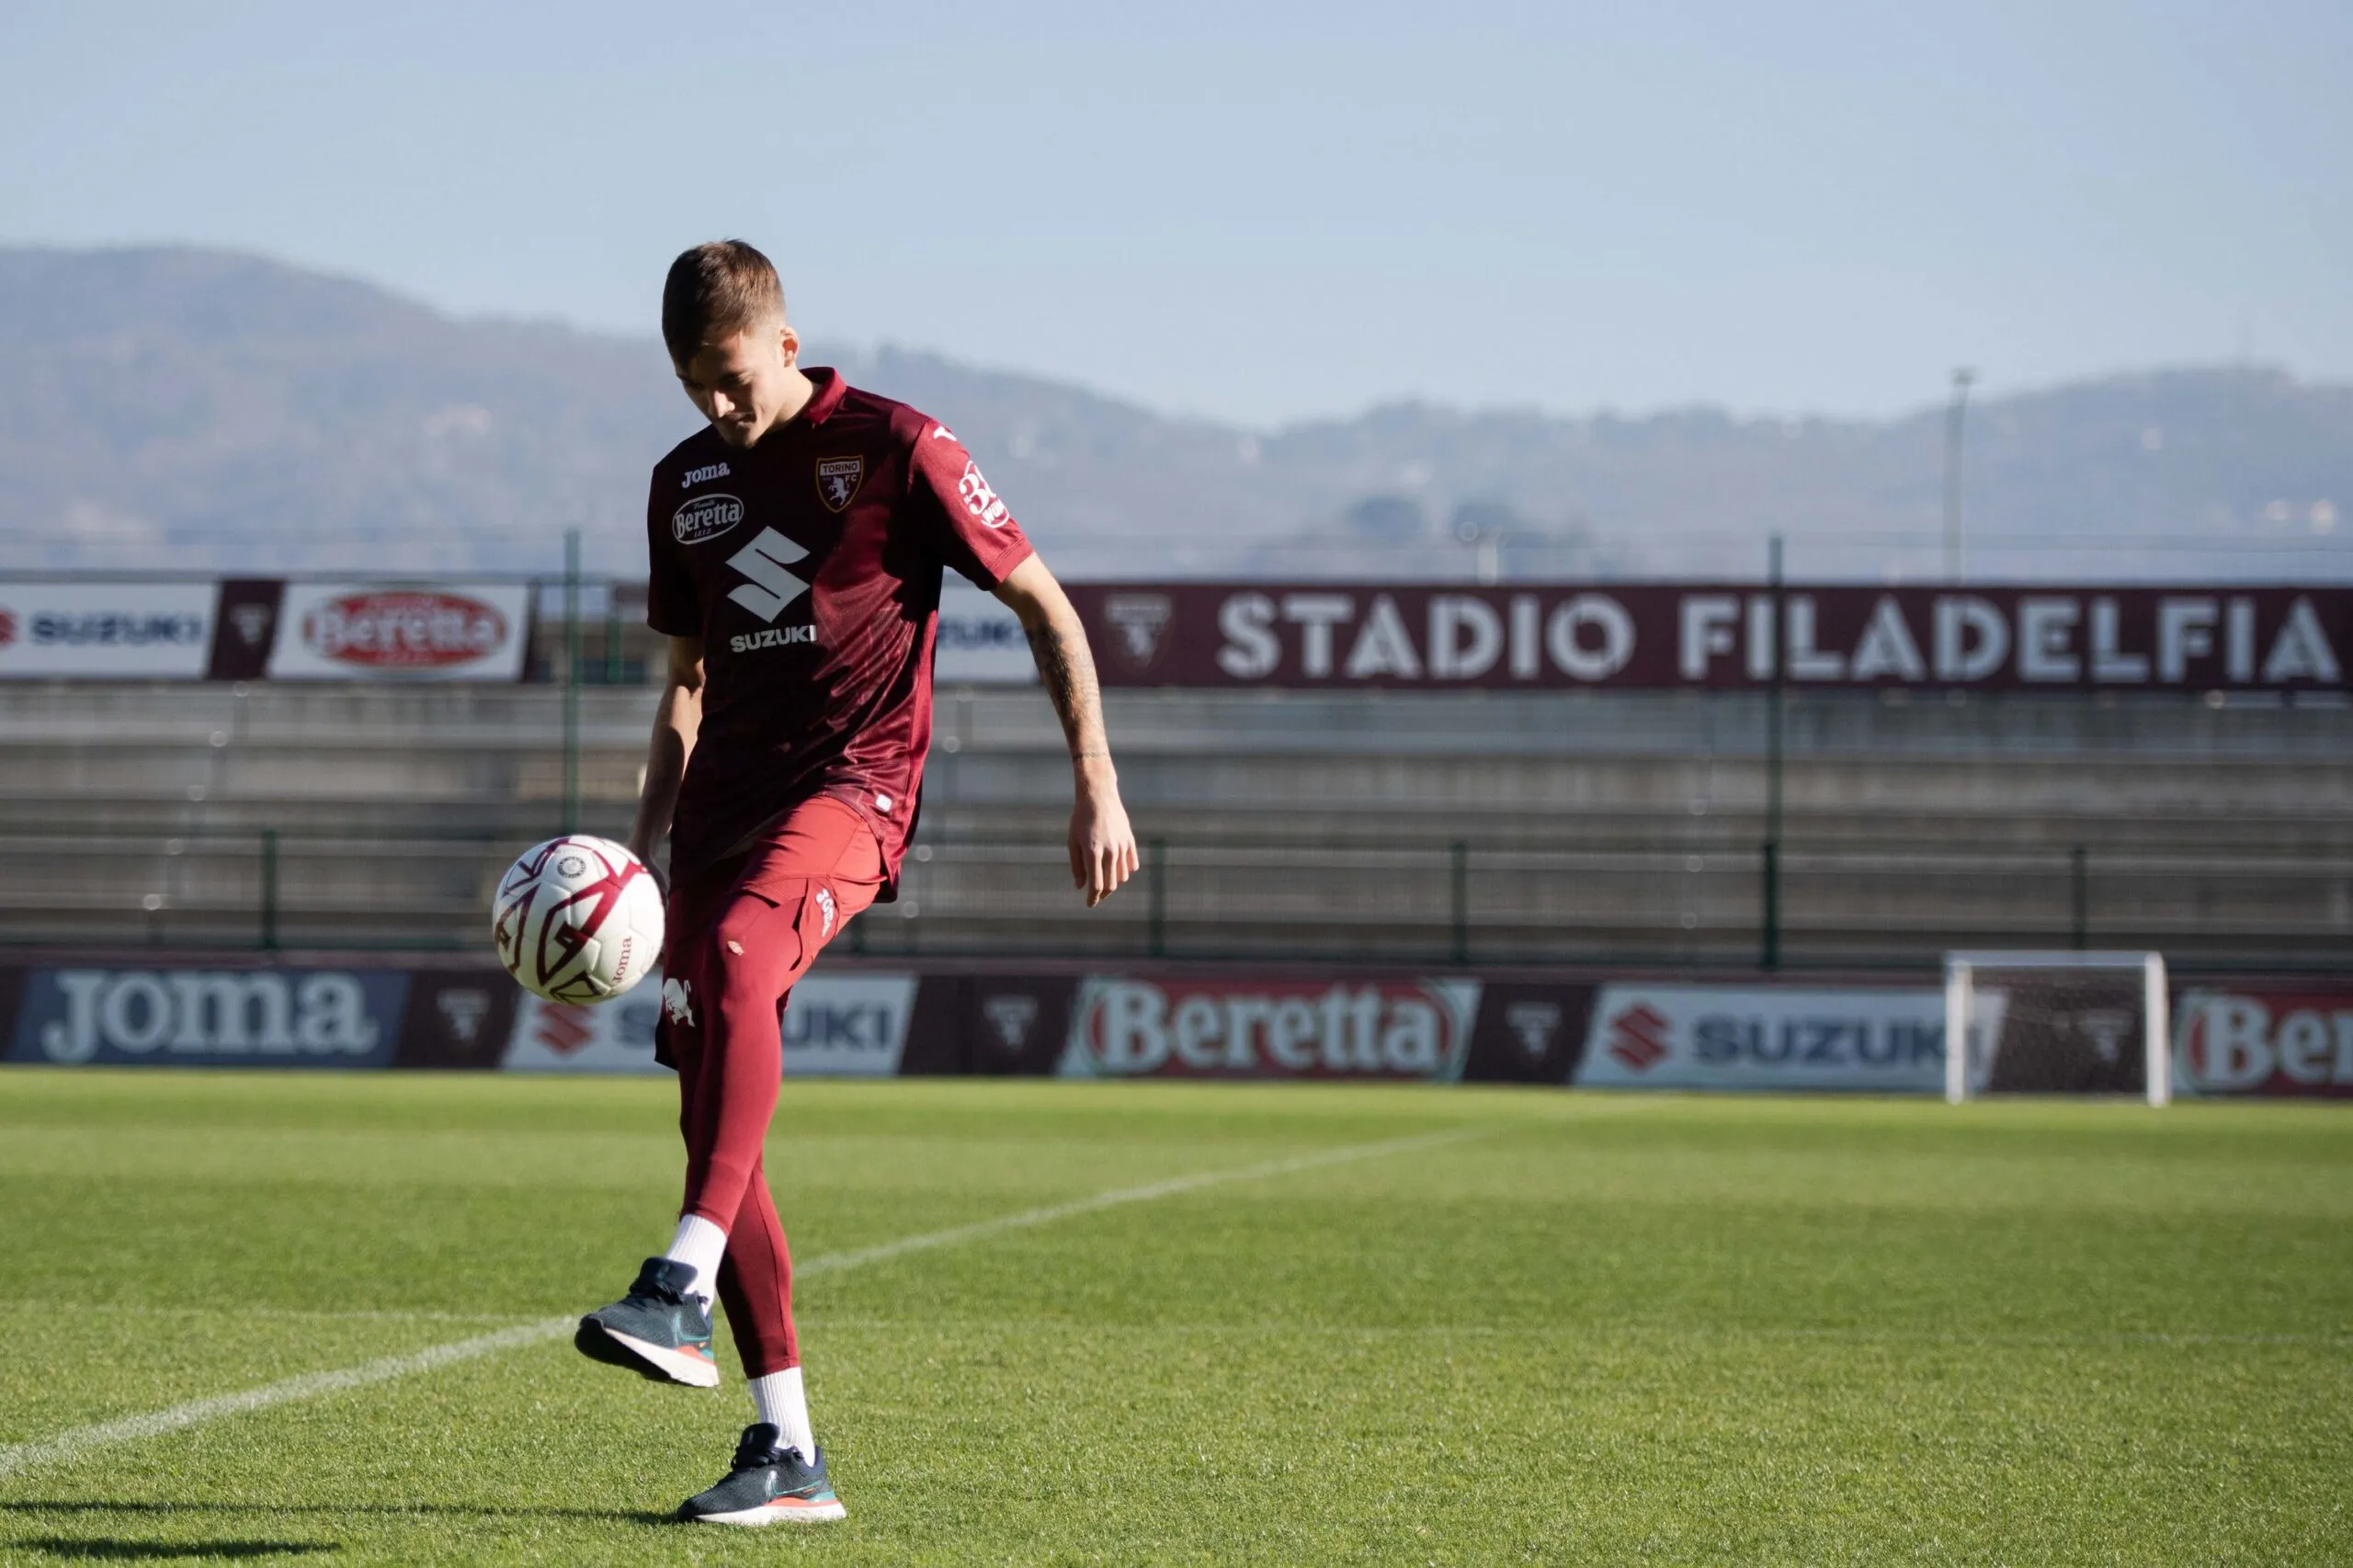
[[310, 1385]]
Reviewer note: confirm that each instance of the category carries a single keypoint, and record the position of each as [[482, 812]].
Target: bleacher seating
[[1499, 829]]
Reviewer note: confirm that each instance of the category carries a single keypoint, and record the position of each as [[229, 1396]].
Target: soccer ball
[[577, 919]]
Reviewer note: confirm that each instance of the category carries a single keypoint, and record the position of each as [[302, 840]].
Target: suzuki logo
[[563, 1028], [765, 560], [1637, 1038]]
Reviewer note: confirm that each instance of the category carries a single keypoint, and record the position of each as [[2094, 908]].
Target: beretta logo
[[705, 517], [1271, 1029], [405, 630]]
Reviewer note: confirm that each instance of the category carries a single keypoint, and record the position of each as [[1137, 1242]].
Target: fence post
[[1155, 870], [269, 889], [2080, 889], [613, 632], [571, 680], [1462, 900], [1769, 954]]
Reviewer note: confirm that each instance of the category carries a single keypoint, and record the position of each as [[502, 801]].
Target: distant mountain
[[193, 408]]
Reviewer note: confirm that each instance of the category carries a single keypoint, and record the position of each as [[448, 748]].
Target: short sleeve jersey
[[810, 566]]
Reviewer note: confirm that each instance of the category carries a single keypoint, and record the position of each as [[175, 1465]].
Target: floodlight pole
[[1771, 956], [1955, 414], [571, 680]]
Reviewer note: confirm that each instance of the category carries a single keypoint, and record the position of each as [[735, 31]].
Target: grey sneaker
[[767, 1484], [656, 1331]]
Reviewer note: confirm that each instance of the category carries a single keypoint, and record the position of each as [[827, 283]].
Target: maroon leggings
[[739, 936]]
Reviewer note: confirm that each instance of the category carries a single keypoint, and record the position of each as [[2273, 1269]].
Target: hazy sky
[[1267, 212]]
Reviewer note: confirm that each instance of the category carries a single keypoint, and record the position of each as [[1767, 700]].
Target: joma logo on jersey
[[703, 475], [837, 481], [773, 637], [705, 517]]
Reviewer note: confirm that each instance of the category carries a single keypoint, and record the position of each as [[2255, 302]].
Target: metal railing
[[1435, 900]]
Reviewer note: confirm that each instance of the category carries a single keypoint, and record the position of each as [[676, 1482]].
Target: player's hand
[[1102, 844]]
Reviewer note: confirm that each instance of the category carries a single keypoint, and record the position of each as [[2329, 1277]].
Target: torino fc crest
[[837, 481]]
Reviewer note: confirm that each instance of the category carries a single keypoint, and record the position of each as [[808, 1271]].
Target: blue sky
[[1270, 212]]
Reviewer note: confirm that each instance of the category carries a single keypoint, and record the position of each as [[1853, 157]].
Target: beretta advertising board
[[438, 631]]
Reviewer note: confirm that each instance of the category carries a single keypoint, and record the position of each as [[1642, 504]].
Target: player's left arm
[[1102, 844]]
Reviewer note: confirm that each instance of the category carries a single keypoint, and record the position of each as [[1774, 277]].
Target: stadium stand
[[1499, 829]]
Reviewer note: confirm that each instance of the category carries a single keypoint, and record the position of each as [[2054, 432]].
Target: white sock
[[778, 1399], [702, 1244]]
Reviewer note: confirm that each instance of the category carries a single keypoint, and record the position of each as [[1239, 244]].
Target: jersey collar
[[827, 397]]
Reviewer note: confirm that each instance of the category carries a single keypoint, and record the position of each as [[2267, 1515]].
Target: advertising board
[[205, 1016], [980, 642], [1135, 1027], [103, 631], [2265, 1037], [1749, 1036], [837, 1026], [407, 632], [1829, 637]]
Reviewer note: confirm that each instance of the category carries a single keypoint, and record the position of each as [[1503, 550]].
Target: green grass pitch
[[1592, 1330]]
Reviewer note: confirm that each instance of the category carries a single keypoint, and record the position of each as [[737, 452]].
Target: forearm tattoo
[[1068, 669]]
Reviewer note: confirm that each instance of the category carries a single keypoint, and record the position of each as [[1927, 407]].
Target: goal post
[[2039, 1021]]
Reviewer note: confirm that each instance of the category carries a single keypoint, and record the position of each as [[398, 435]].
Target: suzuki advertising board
[[105, 630], [197, 1017], [1136, 1026], [2283, 1037], [1731, 1037], [980, 642], [837, 1026], [419, 631]]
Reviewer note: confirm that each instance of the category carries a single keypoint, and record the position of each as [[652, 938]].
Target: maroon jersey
[[810, 566]]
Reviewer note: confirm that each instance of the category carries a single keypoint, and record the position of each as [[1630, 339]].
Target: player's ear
[[788, 344]]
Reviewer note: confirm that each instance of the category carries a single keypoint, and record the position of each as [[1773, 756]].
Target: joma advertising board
[[1326, 635]]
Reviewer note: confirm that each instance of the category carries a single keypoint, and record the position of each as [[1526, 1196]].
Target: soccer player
[[797, 548]]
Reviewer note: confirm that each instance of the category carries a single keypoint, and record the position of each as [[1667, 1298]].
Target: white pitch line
[[154, 1424]]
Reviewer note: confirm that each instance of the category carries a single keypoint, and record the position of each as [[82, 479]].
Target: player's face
[[743, 383]]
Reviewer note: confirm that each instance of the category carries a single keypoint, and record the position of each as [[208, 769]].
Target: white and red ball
[[577, 919]]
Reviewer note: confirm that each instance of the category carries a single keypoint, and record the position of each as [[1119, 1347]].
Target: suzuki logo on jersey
[[705, 517], [765, 561], [837, 481], [703, 475], [979, 499], [773, 637]]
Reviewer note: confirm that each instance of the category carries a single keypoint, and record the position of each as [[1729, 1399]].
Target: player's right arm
[[676, 724]]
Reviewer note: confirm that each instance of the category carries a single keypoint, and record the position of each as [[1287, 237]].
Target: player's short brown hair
[[719, 290]]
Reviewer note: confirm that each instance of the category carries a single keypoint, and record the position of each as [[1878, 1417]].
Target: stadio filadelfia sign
[[1657, 635]]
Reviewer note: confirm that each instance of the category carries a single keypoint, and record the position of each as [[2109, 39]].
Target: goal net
[[2049, 1023]]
